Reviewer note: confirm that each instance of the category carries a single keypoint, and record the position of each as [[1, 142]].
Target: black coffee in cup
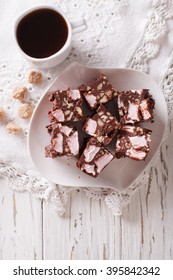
[[42, 33]]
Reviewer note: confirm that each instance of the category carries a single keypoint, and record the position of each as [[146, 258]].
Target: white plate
[[120, 173]]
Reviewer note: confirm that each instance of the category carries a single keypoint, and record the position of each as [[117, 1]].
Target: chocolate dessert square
[[133, 142], [64, 141], [98, 91], [67, 105], [94, 158], [135, 106], [103, 126]]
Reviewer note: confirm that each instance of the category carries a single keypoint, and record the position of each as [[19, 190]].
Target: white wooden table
[[30, 229]]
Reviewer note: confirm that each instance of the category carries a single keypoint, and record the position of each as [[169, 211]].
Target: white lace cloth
[[120, 33]]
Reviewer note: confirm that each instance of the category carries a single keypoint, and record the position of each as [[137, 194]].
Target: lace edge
[[54, 195], [156, 27], [167, 87], [21, 181]]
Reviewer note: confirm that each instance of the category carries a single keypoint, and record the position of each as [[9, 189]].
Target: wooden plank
[[168, 195], [20, 224], [88, 230], [132, 229], [147, 221]]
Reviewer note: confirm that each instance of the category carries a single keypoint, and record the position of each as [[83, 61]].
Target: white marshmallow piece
[[73, 143], [58, 115], [89, 168], [138, 142], [136, 154], [66, 130], [128, 128], [75, 94], [91, 99], [144, 110], [103, 161], [90, 153], [91, 127], [58, 143], [133, 112]]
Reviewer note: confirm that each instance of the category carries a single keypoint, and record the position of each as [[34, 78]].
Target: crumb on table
[[19, 92], [25, 111], [13, 128], [34, 77], [1, 113]]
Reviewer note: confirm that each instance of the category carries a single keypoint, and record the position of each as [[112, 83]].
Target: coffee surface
[[42, 33]]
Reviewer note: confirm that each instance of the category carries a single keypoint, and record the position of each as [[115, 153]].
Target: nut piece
[[108, 92], [25, 111], [99, 87], [1, 113], [19, 92], [104, 99], [34, 77], [78, 109], [13, 128]]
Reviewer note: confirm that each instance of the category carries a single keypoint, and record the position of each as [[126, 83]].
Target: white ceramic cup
[[55, 59]]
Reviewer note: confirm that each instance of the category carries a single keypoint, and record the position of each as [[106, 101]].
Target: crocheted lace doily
[[146, 49]]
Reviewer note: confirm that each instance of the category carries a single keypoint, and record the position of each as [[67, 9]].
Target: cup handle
[[78, 25]]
